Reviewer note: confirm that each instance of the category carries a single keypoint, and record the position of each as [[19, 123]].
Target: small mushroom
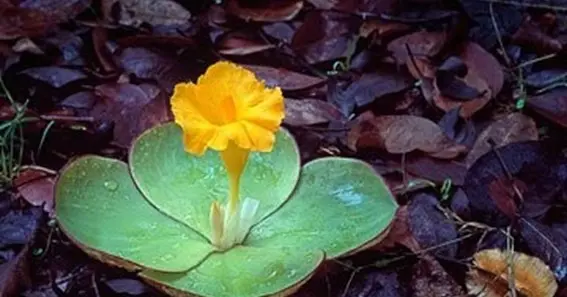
[[489, 276]]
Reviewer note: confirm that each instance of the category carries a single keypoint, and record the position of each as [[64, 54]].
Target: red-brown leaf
[[36, 185], [285, 79], [132, 108], [240, 43], [398, 134], [310, 112], [421, 44], [271, 11], [514, 127]]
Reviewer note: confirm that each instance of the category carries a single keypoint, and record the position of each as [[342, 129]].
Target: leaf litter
[[465, 120]]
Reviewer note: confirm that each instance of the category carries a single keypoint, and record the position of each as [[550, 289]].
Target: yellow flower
[[231, 111], [228, 103]]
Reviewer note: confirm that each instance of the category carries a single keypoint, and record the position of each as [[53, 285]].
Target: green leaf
[[244, 272], [184, 186], [99, 207], [338, 206]]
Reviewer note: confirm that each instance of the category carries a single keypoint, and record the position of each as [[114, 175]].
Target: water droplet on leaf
[[111, 185]]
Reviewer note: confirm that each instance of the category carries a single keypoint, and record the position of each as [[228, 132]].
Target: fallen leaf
[[27, 45], [503, 193], [369, 87], [531, 36], [155, 13], [514, 127], [375, 283], [544, 78], [532, 278], [535, 171], [360, 7], [309, 112], [436, 170], [100, 37], [430, 227], [19, 226], [15, 274], [272, 11], [421, 44], [325, 36], [241, 43], [285, 79], [382, 30], [79, 100], [429, 279], [485, 65], [448, 79], [507, 18], [148, 64], [17, 22], [400, 233], [551, 105], [131, 108], [36, 185], [400, 134], [547, 243], [61, 10], [55, 76], [127, 286], [281, 31]]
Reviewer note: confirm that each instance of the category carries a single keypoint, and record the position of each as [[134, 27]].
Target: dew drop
[[111, 185]]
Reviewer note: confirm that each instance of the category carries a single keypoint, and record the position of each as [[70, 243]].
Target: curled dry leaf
[[514, 127], [551, 105], [272, 11], [36, 185], [310, 112], [489, 277], [285, 79], [421, 44], [398, 134], [484, 74]]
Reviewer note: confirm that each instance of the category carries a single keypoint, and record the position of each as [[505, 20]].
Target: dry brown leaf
[[309, 112], [285, 79], [132, 109], [489, 278], [398, 134], [514, 127], [421, 44], [274, 11], [483, 63], [468, 108], [36, 185]]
